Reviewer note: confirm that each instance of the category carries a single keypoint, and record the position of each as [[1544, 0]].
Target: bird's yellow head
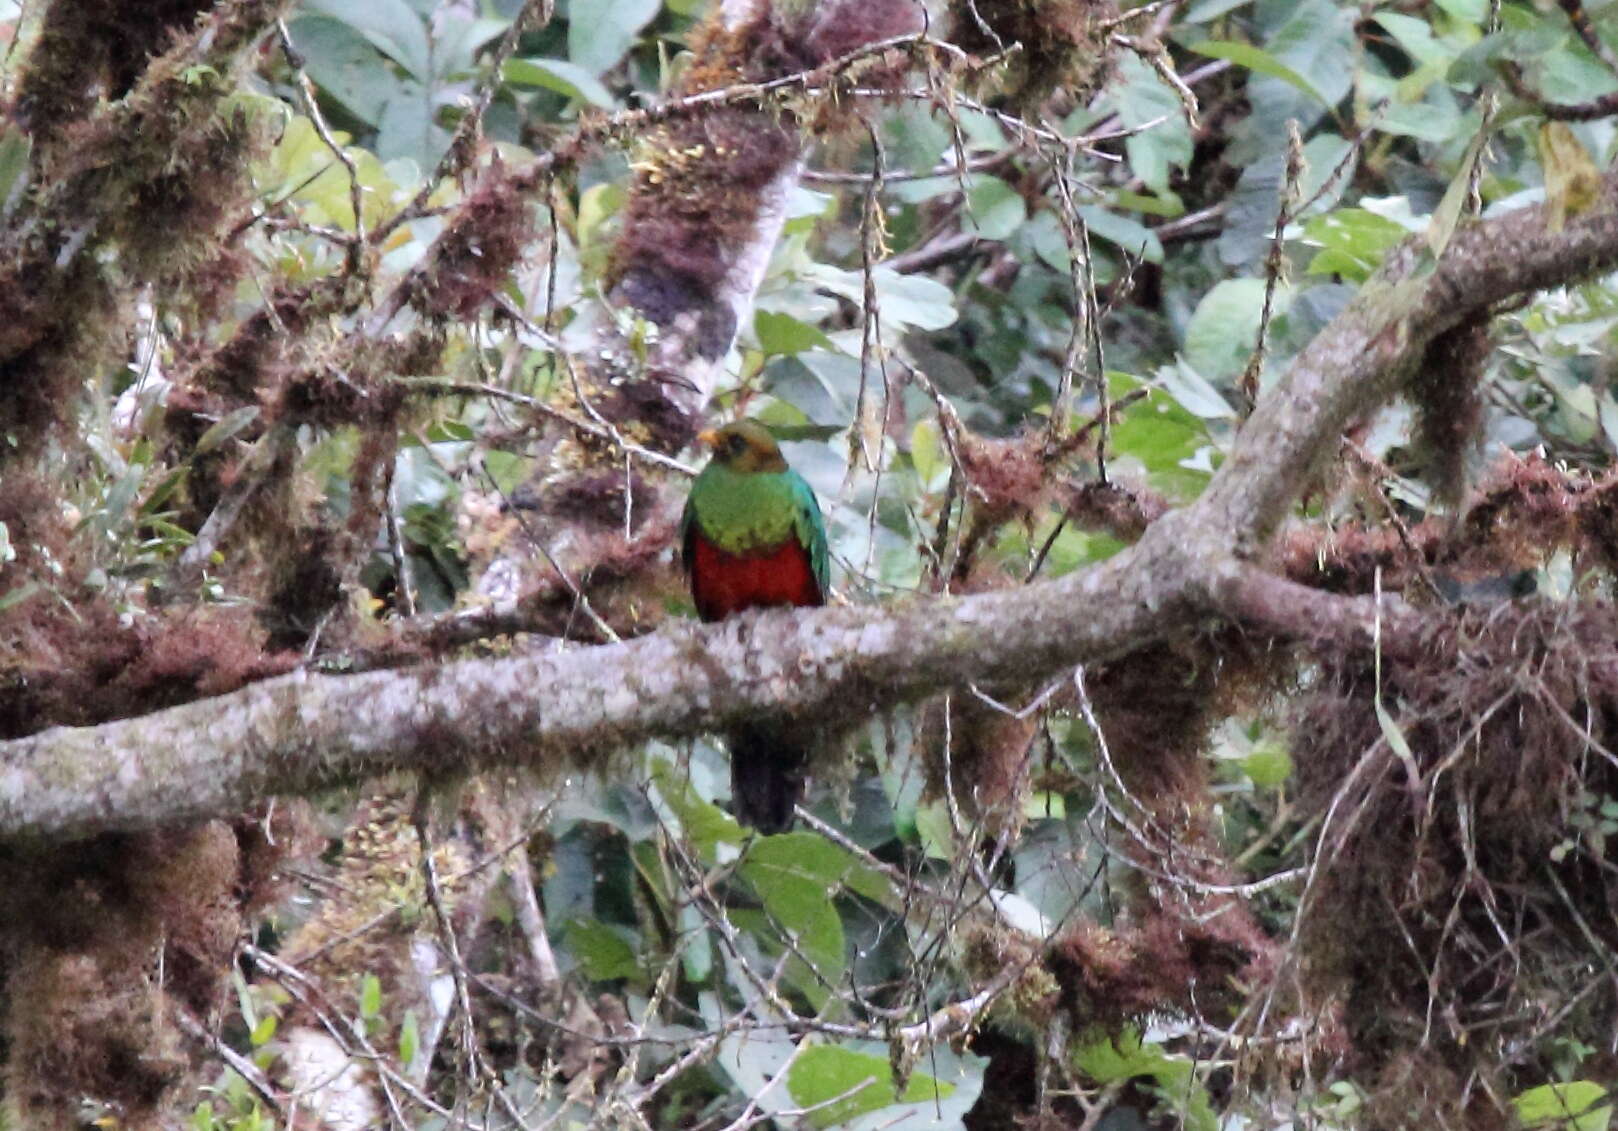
[[745, 446]]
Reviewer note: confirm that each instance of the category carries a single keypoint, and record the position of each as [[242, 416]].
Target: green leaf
[[406, 127], [993, 208], [264, 1031], [705, 824], [1268, 766], [1149, 105], [906, 300], [926, 452], [795, 875], [1448, 213], [601, 32], [1570, 1106], [1134, 238], [1171, 1078], [1250, 216], [1353, 242], [824, 1073], [567, 79], [370, 996], [1471, 11], [1224, 328], [1259, 61], [344, 65], [226, 427], [391, 25], [601, 951], [409, 1039], [1164, 434], [914, 300], [782, 334], [934, 831], [597, 205]]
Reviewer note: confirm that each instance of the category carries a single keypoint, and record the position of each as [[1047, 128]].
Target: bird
[[752, 537]]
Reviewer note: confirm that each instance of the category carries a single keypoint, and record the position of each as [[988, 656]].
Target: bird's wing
[[810, 527]]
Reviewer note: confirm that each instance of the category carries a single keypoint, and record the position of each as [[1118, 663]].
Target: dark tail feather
[[766, 776]]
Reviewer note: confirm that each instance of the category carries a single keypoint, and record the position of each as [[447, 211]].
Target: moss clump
[[699, 180], [105, 941], [1447, 390], [1063, 43], [1464, 888]]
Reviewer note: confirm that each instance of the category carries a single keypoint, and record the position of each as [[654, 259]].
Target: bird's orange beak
[[708, 439]]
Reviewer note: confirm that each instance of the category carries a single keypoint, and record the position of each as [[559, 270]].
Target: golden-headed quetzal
[[752, 536]]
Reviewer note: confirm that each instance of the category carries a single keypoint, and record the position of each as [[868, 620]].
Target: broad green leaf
[[1415, 106], [597, 205], [1416, 37], [1147, 104], [705, 824], [1194, 392], [933, 830], [1168, 206], [783, 334], [1224, 328], [926, 455], [1134, 238], [1252, 209], [389, 24], [1576, 1105], [697, 957], [406, 128], [1164, 435], [1472, 11], [993, 208], [345, 65], [795, 875], [1571, 74], [1317, 41], [567, 79], [907, 300], [601, 32], [1353, 242], [914, 300], [601, 951], [459, 39], [851, 1084]]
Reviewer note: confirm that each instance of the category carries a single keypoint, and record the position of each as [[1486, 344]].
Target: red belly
[[722, 584]]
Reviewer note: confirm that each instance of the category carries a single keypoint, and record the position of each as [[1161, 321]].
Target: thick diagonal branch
[[566, 709]]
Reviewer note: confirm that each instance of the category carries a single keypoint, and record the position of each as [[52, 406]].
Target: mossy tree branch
[[573, 708]]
